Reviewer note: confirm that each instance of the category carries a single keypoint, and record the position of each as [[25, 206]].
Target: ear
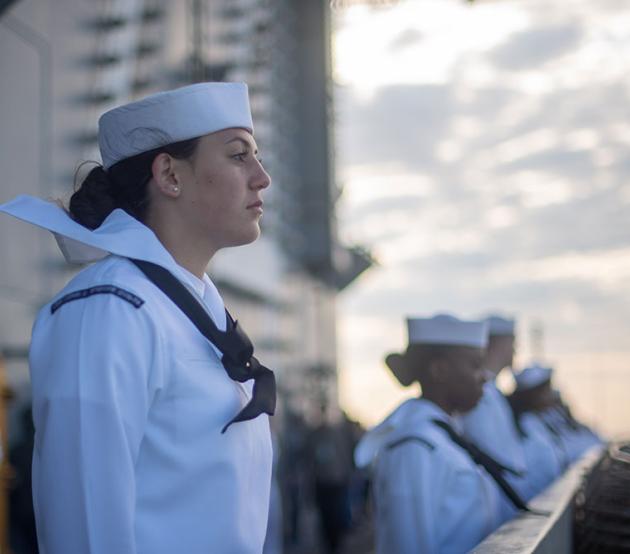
[[398, 365], [164, 175]]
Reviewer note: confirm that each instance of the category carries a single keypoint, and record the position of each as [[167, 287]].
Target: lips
[[256, 205]]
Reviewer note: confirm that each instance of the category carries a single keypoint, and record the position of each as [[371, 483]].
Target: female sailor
[[150, 410]]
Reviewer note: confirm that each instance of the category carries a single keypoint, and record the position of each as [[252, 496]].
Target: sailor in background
[[150, 410], [433, 491], [579, 436], [534, 392], [544, 450], [490, 425]]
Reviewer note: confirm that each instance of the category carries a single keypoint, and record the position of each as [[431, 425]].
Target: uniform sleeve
[[96, 365], [406, 502]]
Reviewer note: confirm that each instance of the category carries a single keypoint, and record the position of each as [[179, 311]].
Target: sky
[[483, 152]]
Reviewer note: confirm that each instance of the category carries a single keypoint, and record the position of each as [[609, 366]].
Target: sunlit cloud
[[440, 29], [483, 152], [605, 269]]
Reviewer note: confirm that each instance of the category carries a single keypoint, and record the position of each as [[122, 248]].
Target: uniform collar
[[408, 419], [120, 234], [198, 285], [209, 294]]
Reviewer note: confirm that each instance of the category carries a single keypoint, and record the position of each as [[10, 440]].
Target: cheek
[[217, 193], [471, 388]]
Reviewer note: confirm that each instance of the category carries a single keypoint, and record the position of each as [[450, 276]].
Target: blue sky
[[484, 155]]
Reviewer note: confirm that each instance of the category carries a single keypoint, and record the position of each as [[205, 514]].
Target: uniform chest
[[197, 389]]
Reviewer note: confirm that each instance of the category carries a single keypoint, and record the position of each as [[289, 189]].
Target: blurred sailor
[[490, 425], [535, 393], [580, 437], [545, 452], [434, 491]]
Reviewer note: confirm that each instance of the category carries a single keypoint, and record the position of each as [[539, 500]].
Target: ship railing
[[550, 529]]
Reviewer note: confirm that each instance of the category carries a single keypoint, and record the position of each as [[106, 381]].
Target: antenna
[[537, 340]]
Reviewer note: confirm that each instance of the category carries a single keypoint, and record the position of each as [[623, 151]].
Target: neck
[[439, 398], [189, 253]]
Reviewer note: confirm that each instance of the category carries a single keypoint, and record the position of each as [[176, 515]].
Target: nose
[[261, 179]]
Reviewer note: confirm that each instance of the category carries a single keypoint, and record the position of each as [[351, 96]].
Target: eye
[[240, 156]]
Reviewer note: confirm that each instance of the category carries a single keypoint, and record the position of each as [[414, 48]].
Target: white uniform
[[545, 458], [430, 496], [490, 425], [575, 441], [128, 402]]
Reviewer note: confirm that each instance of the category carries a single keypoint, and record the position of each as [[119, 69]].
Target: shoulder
[[422, 440], [412, 463], [113, 278], [111, 287], [103, 313], [410, 440], [111, 270]]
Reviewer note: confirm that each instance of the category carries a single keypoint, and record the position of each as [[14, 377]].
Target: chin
[[247, 236], [470, 404]]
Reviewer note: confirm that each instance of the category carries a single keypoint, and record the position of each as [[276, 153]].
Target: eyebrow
[[245, 143]]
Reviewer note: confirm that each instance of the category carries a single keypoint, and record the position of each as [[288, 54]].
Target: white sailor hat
[[498, 325], [447, 330], [532, 376], [440, 329], [172, 116]]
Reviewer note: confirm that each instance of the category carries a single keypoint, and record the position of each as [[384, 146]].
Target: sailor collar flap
[[413, 418], [120, 233]]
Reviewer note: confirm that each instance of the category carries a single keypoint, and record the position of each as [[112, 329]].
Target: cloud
[[534, 47], [568, 163], [613, 5], [402, 122], [405, 39], [509, 188]]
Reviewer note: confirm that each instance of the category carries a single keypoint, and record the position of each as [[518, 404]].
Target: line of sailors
[[452, 466]]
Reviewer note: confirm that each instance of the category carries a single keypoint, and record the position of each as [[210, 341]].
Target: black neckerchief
[[236, 348], [494, 468]]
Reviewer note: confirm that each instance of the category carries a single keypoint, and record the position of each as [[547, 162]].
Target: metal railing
[[551, 534]]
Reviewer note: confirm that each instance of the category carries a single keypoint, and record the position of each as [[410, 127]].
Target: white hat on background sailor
[[447, 330], [441, 329], [499, 325], [532, 376]]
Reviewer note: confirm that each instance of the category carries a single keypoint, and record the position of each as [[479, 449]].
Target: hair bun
[[123, 185], [93, 201]]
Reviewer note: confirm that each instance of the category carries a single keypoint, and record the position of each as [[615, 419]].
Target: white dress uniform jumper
[[129, 401], [430, 496], [490, 425]]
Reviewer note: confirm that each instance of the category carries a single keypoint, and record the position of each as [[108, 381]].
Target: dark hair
[[528, 399], [123, 185]]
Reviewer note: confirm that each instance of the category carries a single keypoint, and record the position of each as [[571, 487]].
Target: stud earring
[[175, 188]]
